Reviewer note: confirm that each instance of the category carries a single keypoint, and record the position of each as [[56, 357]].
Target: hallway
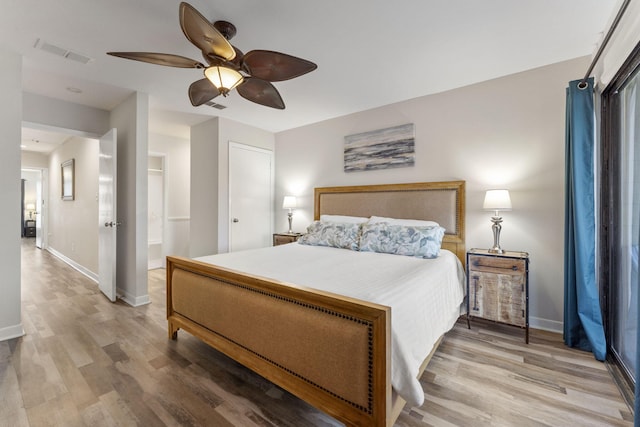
[[85, 361]]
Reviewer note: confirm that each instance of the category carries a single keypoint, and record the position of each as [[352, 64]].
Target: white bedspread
[[424, 294]]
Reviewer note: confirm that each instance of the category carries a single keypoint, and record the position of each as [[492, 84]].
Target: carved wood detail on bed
[[332, 351]]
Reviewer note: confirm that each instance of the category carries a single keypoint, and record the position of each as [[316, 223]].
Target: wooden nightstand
[[29, 228], [284, 238], [498, 287]]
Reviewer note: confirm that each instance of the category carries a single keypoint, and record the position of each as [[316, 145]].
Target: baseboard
[[11, 332], [546, 324], [132, 300], [155, 263], [90, 274]]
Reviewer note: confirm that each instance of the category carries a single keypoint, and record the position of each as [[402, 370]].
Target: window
[[620, 220]]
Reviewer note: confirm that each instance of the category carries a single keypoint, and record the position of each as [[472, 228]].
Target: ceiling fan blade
[[202, 91], [203, 34], [275, 66], [238, 58], [159, 59], [261, 92]]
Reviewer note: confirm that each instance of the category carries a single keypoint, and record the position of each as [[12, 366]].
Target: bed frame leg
[[173, 331]]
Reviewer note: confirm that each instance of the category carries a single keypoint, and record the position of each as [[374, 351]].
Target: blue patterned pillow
[[414, 241], [334, 234]]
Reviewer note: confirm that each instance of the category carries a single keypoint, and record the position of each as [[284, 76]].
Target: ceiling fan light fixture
[[226, 67], [223, 78]]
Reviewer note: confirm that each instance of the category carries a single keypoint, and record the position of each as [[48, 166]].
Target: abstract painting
[[392, 147]]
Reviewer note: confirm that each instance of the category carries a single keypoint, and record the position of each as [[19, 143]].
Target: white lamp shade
[[497, 200], [289, 202], [223, 78], [31, 207]]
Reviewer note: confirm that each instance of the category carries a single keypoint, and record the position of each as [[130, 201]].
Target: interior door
[[250, 197], [107, 222]]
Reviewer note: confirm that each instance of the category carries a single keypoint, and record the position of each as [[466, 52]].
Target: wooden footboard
[[333, 352]]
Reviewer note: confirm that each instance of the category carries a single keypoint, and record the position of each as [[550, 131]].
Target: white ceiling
[[42, 141], [369, 52]]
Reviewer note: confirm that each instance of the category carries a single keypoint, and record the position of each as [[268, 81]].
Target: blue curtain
[[582, 316]]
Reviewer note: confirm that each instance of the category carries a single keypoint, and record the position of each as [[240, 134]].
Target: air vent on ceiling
[[63, 52], [215, 105]]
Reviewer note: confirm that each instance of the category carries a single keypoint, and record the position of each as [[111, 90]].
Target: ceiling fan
[[226, 66]]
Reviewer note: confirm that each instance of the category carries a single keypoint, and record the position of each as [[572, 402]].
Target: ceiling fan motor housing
[[227, 29]]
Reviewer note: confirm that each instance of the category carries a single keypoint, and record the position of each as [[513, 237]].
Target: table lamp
[[497, 200], [31, 207], [289, 202]]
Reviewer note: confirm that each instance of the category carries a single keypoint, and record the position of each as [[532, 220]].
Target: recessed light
[[74, 89], [23, 146]]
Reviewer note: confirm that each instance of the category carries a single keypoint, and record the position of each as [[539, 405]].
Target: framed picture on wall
[[68, 179], [392, 147]]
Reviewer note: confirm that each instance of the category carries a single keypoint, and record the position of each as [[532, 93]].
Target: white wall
[[31, 159], [177, 170], [210, 180], [73, 224], [10, 131], [203, 233], [41, 112], [507, 133], [131, 119]]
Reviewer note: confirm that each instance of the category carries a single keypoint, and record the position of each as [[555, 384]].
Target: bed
[[331, 350]]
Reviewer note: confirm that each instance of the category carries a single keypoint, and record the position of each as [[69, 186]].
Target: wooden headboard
[[443, 202]]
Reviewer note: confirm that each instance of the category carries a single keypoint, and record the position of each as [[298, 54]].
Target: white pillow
[[343, 219], [403, 222]]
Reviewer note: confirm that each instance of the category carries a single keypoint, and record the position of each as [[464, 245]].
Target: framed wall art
[[68, 179], [392, 147]]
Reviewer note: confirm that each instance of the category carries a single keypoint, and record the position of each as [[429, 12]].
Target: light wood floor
[[88, 362]]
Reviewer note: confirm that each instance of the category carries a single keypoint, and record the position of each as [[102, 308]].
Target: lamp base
[[290, 215], [496, 227]]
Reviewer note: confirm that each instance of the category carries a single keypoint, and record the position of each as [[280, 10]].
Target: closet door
[[250, 197]]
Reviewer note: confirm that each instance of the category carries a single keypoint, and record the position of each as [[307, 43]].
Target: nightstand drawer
[[497, 265]]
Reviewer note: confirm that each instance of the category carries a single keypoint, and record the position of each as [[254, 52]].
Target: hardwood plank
[[11, 406], [88, 362]]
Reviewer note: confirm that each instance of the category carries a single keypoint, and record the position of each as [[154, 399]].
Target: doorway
[[156, 210], [34, 208], [67, 225]]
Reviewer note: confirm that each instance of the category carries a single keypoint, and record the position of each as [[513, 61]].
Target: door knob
[[235, 220], [112, 224]]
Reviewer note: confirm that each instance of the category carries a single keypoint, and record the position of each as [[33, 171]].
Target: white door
[[250, 197], [107, 222]]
